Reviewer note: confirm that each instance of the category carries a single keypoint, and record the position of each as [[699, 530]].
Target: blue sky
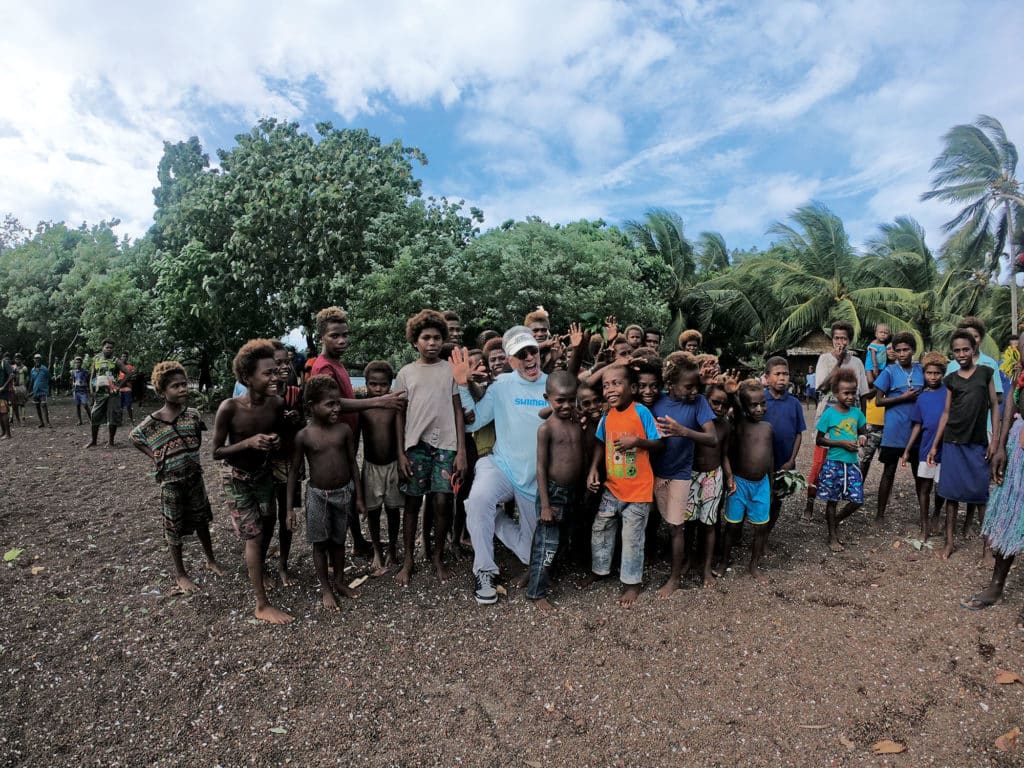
[[731, 114]]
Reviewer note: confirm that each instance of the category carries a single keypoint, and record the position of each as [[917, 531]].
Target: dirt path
[[103, 664]]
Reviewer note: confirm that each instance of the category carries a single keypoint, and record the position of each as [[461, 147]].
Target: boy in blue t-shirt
[[786, 415], [80, 388], [684, 418], [925, 417], [840, 429], [896, 389]]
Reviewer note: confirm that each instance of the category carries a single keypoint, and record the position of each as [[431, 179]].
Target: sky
[[731, 114]]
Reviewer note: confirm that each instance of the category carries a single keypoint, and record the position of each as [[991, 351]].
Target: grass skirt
[[1004, 518]]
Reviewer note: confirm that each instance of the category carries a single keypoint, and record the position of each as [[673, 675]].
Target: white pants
[[485, 518]]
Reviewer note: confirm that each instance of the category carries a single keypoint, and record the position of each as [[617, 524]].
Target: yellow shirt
[[874, 413]]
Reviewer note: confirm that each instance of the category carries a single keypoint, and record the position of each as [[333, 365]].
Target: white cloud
[[558, 109]]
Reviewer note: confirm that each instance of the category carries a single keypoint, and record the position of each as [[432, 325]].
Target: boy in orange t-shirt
[[625, 437]]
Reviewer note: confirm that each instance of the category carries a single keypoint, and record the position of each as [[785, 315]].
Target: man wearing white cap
[[512, 402]]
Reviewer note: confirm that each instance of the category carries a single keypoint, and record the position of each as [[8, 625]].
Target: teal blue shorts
[[752, 500]]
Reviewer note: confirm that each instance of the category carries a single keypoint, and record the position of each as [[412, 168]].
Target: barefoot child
[[380, 466], [962, 434], [80, 388], [560, 457], [281, 459], [786, 415], [245, 433], [432, 435], [625, 438], [328, 446], [171, 437], [841, 431], [706, 483], [684, 419], [925, 422], [748, 474]]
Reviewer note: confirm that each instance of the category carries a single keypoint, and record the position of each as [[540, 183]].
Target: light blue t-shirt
[[876, 351], [40, 378], [512, 403], [983, 359], [892, 382], [842, 426]]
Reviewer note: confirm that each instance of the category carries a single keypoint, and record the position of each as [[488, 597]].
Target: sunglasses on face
[[522, 354]]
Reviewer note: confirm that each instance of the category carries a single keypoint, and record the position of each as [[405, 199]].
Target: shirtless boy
[[749, 467], [559, 468], [329, 449], [380, 466], [706, 485], [245, 433]]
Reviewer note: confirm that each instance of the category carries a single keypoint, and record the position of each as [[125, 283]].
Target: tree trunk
[[1014, 328]]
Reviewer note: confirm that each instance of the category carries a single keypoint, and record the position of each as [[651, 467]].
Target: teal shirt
[[842, 426]]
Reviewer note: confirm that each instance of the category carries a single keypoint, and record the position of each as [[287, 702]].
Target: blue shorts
[[753, 500], [839, 481], [81, 398]]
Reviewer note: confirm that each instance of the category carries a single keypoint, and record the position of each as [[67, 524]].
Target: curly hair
[[843, 376], [254, 350], [646, 364], [748, 387], [973, 322], [963, 333], [677, 365], [379, 366], [538, 315], [327, 316], [905, 337], [318, 387], [492, 344], [162, 372], [426, 318], [842, 325], [690, 335], [561, 381], [935, 359]]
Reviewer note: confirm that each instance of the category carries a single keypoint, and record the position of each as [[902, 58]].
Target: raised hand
[[611, 327], [575, 335], [459, 361]]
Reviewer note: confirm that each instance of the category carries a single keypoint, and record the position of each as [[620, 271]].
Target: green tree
[[977, 169], [712, 254], [661, 236]]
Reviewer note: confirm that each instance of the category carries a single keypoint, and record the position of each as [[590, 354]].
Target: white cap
[[516, 338]]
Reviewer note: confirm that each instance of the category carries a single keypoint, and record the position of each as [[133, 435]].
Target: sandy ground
[[104, 663]]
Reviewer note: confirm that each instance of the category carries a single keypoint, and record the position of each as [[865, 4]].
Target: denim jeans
[[602, 537], [545, 540]]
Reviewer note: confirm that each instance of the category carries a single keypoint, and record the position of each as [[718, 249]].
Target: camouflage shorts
[[249, 499]]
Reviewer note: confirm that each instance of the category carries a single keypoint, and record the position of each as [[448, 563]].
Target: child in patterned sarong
[[171, 437], [841, 431], [328, 447], [706, 487]]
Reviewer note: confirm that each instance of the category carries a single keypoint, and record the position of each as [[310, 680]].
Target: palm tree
[[821, 278], [977, 169], [712, 255], [899, 257], [661, 236]]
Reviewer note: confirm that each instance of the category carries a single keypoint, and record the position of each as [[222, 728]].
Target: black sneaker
[[484, 590]]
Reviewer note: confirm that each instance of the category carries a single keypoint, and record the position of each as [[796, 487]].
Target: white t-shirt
[[826, 364], [430, 416]]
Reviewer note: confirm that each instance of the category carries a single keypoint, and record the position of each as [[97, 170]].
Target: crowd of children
[[570, 446]]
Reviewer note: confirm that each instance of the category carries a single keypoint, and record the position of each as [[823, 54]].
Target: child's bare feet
[[330, 601], [947, 551], [377, 567], [273, 615], [924, 535], [544, 605], [708, 579], [628, 596], [589, 580], [268, 582], [214, 567], [668, 587], [346, 591], [287, 580], [442, 571], [403, 576], [185, 584], [836, 545], [757, 574]]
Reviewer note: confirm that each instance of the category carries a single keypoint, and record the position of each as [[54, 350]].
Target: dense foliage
[[289, 222]]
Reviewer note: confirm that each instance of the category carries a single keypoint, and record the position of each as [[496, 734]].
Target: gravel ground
[[104, 664]]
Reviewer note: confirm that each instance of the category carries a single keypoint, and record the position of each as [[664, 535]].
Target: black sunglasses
[[526, 352]]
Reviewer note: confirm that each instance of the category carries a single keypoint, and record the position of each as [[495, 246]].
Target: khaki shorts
[[671, 496], [380, 485]]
